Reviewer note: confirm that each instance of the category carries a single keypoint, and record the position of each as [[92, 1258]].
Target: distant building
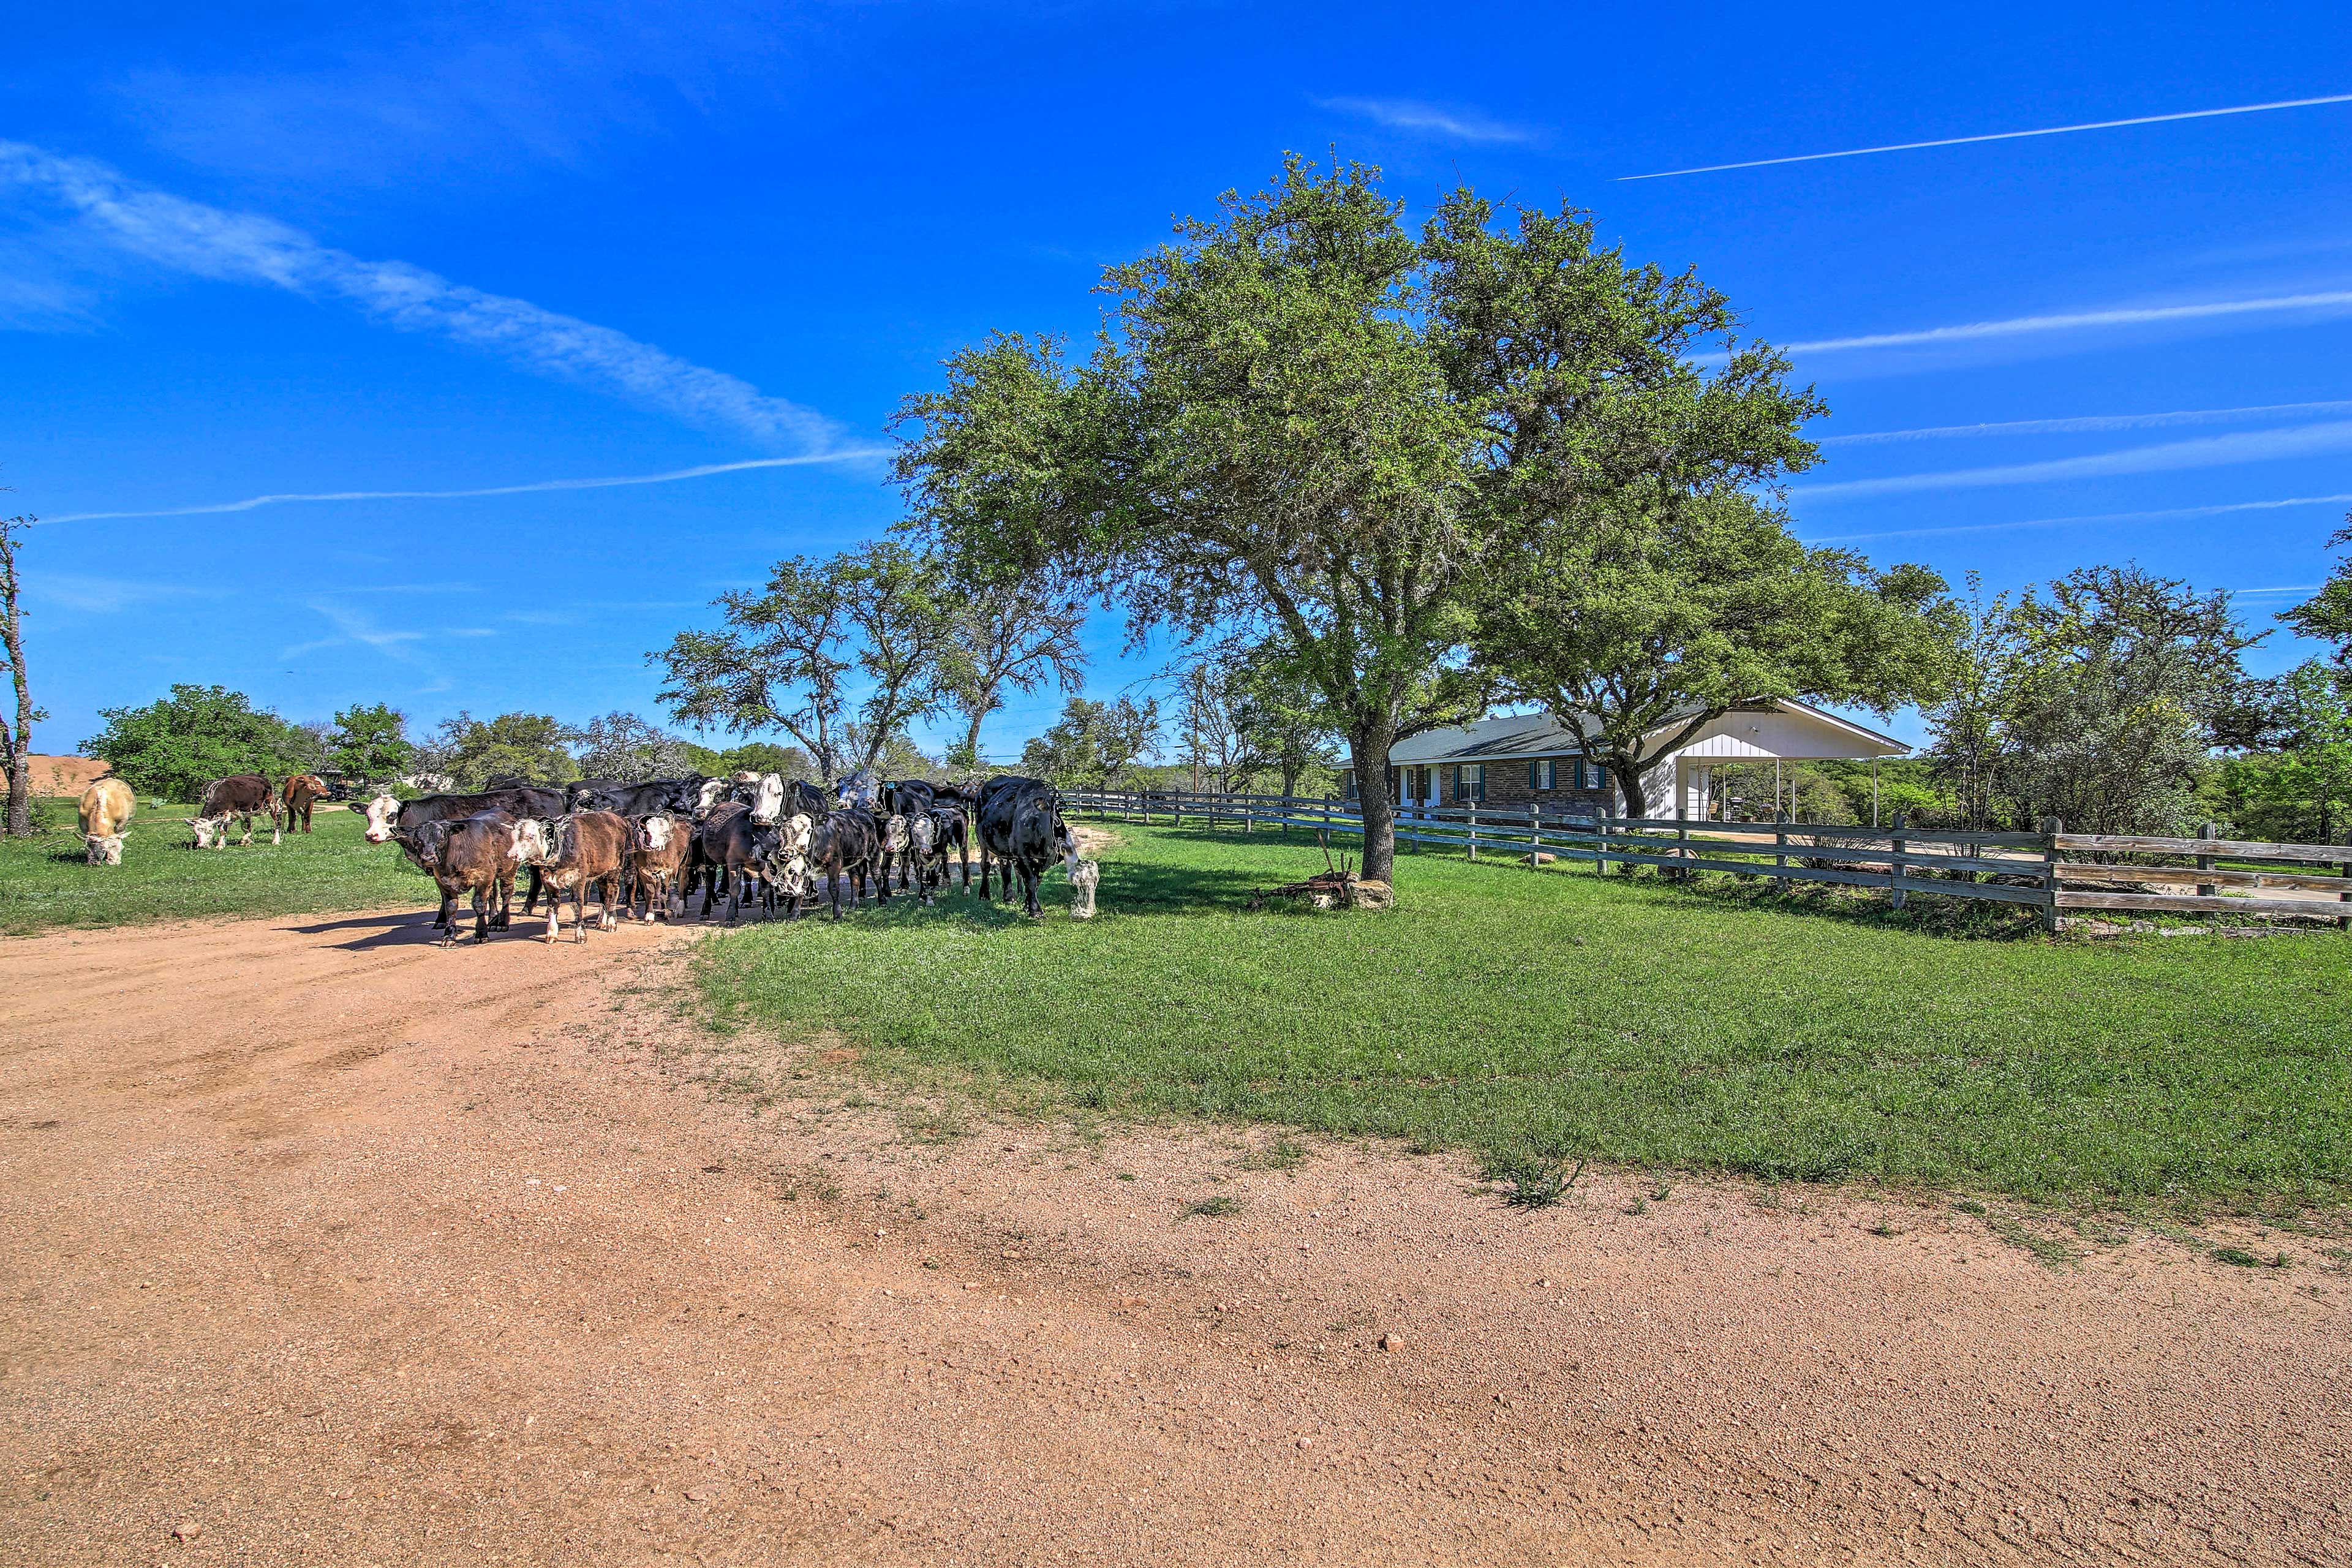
[[1510, 761]]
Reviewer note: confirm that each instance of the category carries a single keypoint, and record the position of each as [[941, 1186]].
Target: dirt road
[[321, 1246]]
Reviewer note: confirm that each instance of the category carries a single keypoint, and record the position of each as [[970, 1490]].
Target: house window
[[1469, 781], [1543, 774]]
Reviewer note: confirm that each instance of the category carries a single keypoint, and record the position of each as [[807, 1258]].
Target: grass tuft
[[1211, 1207]]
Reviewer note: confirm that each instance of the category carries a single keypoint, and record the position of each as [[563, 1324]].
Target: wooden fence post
[[1534, 836], [2051, 828], [2344, 868], [1474, 829], [1781, 849], [1600, 845], [2205, 862], [1682, 839], [1327, 819], [1895, 890]]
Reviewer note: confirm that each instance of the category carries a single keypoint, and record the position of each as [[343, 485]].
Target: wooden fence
[[2052, 871]]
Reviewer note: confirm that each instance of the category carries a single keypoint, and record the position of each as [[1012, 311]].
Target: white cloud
[[2164, 515], [1406, 114], [105, 595], [702, 472], [244, 248], [2085, 423], [2212, 451], [2000, 136], [2334, 303]]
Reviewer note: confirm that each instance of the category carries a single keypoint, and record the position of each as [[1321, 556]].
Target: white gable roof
[[1796, 731]]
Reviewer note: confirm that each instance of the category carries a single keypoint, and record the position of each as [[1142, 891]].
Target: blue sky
[[297, 250]]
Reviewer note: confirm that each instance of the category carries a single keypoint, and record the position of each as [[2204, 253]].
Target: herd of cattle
[[656, 843]]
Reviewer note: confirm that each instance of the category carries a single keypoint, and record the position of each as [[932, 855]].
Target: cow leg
[[482, 902], [1030, 877], [448, 915]]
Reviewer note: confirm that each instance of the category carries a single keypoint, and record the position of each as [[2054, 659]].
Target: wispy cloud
[[2090, 422], [245, 248], [2283, 588], [1430, 119], [2334, 302], [105, 595], [2212, 451], [2000, 136], [701, 471], [2164, 515]]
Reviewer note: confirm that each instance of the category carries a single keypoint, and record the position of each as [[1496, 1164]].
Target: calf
[[301, 791], [661, 846], [1021, 827], [245, 795], [840, 845], [473, 854], [106, 807], [584, 849], [393, 821], [934, 832], [729, 846]]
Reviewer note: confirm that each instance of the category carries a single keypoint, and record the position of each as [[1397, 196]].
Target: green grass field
[[1565, 1017], [43, 883]]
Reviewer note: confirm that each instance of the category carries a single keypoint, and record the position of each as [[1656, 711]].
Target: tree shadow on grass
[[1927, 914]]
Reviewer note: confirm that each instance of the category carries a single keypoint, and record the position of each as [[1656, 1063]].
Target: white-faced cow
[[245, 795], [842, 847], [935, 833], [729, 847], [106, 807], [393, 821], [660, 844], [1021, 829], [585, 849]]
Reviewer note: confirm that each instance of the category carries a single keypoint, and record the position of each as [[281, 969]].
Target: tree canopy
[[370, 742], [2328, 615], [1307, 423], [177, 744], [522, 747]]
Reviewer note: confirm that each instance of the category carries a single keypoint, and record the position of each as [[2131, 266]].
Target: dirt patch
[[342, 1249], [65, 776]]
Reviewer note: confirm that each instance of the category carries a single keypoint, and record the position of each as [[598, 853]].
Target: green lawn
[[1554, 1013], [43, 883]]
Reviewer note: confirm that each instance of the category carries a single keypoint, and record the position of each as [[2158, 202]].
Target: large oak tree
[[1307, 422]]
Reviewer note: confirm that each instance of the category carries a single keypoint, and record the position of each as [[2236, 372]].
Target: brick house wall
[[1508, 787]]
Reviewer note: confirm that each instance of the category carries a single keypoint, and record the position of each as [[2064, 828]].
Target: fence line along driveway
[[2051, 870]]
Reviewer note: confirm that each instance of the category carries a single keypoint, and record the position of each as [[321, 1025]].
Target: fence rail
[[2052, 871]]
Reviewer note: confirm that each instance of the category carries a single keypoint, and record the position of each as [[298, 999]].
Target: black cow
[[397, 821], [935, 833], [840, 845], [729, 846], [674, 797], [1021, 827]]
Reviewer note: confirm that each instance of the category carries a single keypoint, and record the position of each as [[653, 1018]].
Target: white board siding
[[1787, 735]]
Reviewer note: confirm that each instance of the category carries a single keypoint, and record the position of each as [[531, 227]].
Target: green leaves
[[176, 745]]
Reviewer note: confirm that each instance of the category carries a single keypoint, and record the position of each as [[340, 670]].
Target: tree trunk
[[17, 746], [1369, 751], [1628, 776], [972, 740]]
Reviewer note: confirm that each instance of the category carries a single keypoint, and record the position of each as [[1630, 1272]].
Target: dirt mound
[[65, 776], [326, 1246]]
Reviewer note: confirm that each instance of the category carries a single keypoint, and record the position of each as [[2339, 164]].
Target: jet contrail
[[2090, 517], [2207, 452], [2000, 136], [2084, 422], [2131, 316], [702, 472], [245, 248]]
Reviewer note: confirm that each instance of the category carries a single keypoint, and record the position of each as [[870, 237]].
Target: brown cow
[[106, 807], [573, 852], [659, 846], [301, 791], [246, 796], [475, 854]]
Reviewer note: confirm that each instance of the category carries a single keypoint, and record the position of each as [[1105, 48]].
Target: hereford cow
[[1021, 829], [840, 845], [245, 795], [106, 807], [585, 849], [475, 856], [661, 846], [301, 791]]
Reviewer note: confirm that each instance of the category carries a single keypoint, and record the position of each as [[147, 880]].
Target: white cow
[[106, 807]]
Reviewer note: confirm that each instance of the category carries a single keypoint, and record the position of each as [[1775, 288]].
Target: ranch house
[[1508, 761]]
